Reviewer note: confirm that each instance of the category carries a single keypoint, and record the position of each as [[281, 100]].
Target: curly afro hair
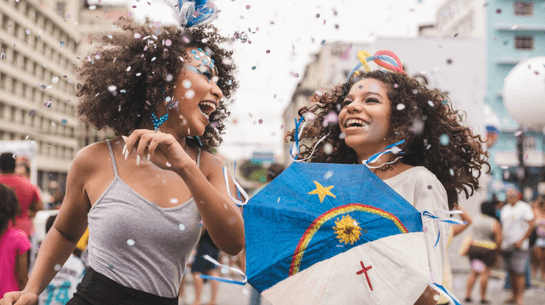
[[426, 123], [131, 74], [9, 206]]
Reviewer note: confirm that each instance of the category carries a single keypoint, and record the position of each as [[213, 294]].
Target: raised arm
[[220, 214], [61, 240]]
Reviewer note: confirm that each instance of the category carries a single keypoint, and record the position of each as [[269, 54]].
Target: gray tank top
[[482, 228], [139, 244]]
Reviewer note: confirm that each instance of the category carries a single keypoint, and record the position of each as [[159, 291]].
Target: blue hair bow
[[194, 12]]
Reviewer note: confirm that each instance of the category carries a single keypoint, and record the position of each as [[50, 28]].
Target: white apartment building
[[458, 18], [41, 45]]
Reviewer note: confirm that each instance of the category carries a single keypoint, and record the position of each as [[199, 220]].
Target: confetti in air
[[190, 93], [328, 148], [444, 139]]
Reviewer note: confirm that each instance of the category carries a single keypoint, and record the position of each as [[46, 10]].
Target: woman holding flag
[[407, 134]]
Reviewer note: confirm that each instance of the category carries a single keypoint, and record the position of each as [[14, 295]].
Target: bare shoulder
[[210, 163], [89, 158]]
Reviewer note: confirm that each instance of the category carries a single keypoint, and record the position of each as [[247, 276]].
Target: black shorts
[[487, 256], [97, 289]]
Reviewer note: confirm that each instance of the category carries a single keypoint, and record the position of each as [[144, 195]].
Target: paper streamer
[[379, 58], [294, 150], [442, 290], [379, 62], [432, 217], [220, 279], [388, 149], [362, 56], [239, 189]]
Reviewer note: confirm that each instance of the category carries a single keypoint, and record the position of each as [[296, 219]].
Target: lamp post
[[524, 99]]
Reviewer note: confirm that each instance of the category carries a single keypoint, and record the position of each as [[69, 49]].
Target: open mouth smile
[[207, 107], [355, 123]]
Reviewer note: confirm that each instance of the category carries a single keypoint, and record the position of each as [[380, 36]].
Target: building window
[[529, 144], [524, 8], [524, 42], [60, 8]]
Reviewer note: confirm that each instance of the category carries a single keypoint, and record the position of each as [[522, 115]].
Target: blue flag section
[[312, 212]]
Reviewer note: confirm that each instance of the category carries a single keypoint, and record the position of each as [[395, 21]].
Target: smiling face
[[365, 117], [197, 93]]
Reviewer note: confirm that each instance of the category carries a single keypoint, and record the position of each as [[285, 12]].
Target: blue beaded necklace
[[158, 121]]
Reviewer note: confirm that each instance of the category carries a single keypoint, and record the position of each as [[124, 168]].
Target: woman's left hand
[[149, 142]]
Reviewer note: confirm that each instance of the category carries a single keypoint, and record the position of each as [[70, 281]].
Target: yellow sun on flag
[[347, 230]]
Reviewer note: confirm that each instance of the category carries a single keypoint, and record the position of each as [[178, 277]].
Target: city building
[[458, 18], [455, 66], [38, 82], [42, 42], [515, 30]]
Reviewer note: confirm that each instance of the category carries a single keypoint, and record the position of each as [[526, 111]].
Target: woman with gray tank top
[[485, 246], [143, 196]]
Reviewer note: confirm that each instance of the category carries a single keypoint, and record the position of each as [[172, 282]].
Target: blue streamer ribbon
[[442, 290], [445, 220], [387, 150], [297, 136], [220, 279]]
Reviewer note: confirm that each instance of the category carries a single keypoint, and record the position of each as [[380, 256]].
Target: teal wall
[[501, 57]]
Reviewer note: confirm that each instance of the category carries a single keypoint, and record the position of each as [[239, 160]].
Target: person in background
[[539, 246], [454, 230], [55, 195], [202, 266], [27, 194], [484, 249], [14, 245], [22, 168], [62, 287], [517, 219]]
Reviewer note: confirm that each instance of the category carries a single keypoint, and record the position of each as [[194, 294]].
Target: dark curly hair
[[9, 206], [426, 118], [140, 62]]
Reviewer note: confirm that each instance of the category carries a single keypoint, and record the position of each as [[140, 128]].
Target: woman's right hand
[[19, 298]]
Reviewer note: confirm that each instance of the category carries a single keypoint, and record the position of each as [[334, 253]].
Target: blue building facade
[[515, 30]]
